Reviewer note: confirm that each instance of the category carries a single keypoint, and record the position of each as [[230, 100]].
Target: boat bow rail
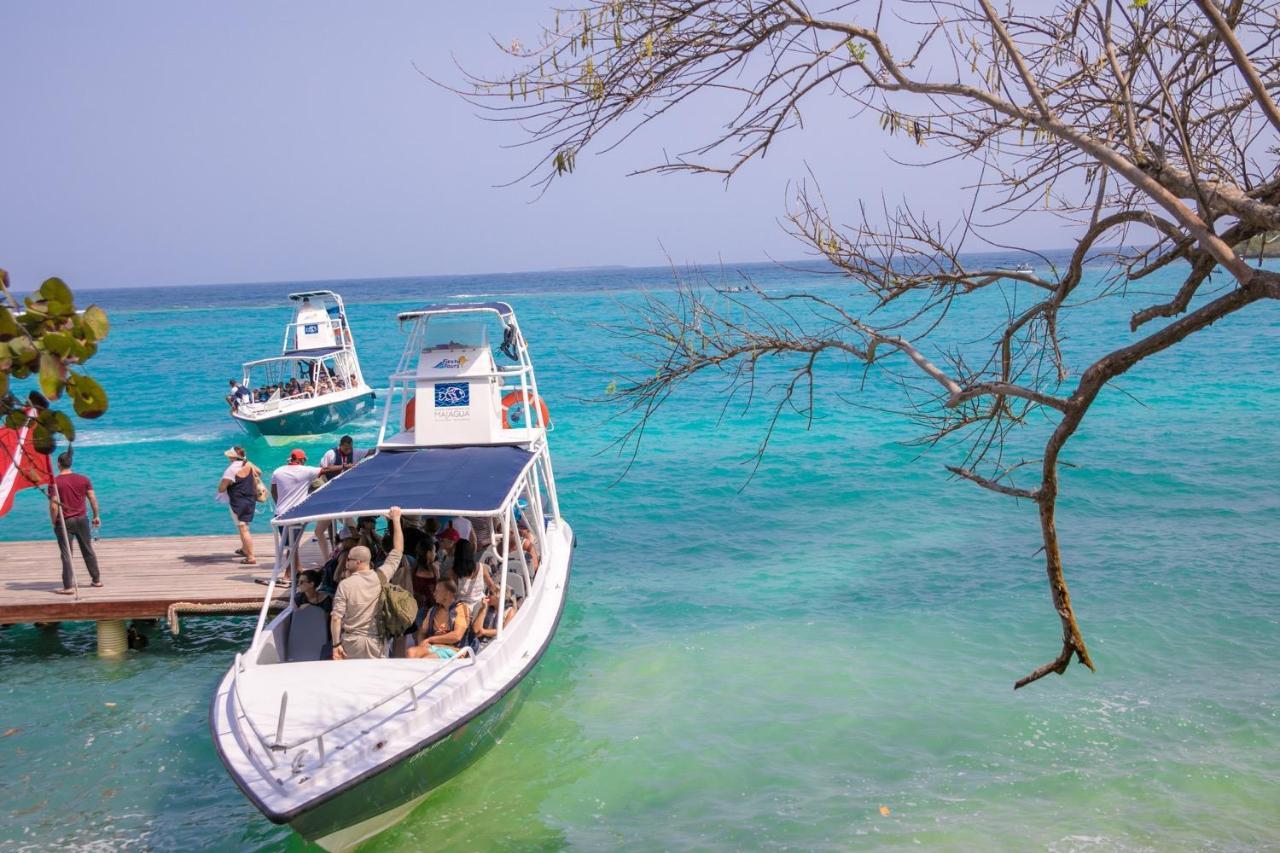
[[307, 683]]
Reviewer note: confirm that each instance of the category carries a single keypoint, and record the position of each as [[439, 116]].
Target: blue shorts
[[445, 652]]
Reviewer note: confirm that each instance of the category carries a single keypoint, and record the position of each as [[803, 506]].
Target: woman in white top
[[472, 577]]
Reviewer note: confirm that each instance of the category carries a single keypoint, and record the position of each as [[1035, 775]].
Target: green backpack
[[398, 608]]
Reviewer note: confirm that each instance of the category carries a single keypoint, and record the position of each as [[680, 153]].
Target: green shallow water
[[758, 668]]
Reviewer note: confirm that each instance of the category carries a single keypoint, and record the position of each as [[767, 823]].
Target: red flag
[[21, 466]]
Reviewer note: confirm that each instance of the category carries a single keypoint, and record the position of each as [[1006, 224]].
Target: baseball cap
[[298, 454]]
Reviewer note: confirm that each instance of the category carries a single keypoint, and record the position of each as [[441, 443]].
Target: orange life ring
[[410, 413], [515, 400]]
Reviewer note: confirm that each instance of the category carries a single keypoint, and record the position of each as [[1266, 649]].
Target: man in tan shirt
[[355, 624]]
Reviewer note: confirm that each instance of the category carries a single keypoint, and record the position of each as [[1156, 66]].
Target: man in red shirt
[[74, 491]]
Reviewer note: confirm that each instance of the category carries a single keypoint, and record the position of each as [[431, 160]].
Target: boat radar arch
[[449, 389]]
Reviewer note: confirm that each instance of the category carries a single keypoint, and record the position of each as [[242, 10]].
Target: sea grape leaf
[[42, 439], [96, 320], [58, 343], [64, 425], [51, 375], [56, 290], [8, 325], [87, 396], [22, 350]]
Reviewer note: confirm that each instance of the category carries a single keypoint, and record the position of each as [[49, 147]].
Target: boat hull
[[389, 795], [315, 421]]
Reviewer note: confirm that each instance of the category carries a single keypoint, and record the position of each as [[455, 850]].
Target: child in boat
[[445, 625], [485, 624]]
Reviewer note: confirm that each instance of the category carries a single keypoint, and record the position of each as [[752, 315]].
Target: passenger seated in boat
[[311, 592], [516, 542], [472, 577], [335, 568], [355, 624], [530, 546], [444, 627], [466, 530], [426, 571], [485, 624], [446, 542]]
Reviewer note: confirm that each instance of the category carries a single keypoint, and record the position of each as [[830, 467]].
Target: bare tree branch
[[1151, 119]]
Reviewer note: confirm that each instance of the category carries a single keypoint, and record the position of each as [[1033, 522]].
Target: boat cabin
[[454, 387]]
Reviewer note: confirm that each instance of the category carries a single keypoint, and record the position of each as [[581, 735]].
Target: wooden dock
[[141, 579]]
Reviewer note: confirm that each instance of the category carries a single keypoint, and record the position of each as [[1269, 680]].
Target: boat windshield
[[445, 331]]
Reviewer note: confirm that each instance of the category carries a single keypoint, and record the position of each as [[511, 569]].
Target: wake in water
[[122, 437]]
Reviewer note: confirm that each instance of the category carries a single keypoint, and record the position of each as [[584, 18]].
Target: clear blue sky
[[159, 143]]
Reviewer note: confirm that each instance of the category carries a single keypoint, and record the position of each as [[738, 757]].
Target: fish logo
[[451, 395]]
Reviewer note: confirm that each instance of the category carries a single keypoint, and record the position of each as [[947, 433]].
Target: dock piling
[[113, 638]]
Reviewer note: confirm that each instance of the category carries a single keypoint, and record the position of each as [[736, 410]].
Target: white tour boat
[[315, 385], [340, 750]]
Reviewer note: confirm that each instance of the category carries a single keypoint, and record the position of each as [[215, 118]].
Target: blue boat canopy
[[439, 480], [502, 308]]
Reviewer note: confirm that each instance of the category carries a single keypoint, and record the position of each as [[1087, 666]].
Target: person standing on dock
[[239, 484], [353, 623], [334, 462], [290, 485], [70, 494]]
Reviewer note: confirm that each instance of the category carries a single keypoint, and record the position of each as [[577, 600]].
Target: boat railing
[[416, 692], [512, 372], [273, 402]]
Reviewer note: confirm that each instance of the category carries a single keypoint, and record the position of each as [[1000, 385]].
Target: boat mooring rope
[[191, 607]]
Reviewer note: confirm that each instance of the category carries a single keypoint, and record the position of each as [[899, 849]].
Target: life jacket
[[340, 458]]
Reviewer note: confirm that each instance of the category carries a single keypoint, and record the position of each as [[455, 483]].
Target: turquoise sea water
[[738, 668]]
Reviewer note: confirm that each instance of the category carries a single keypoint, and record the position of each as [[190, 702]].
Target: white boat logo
[[451, 363], [453, 394]]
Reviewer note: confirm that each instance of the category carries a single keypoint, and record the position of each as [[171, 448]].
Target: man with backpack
[[358, 625]]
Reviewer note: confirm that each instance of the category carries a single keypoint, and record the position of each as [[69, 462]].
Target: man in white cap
[[354, 624], [290, 484]]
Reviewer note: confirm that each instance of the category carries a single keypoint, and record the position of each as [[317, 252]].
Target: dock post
[[113, 639]]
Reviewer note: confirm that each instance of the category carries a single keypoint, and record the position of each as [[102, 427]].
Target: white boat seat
[[515, 583], [308, 634]]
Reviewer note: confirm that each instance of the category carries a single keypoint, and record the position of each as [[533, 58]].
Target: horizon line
[[572, 270]]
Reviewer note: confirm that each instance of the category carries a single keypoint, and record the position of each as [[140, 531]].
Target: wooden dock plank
[[142, 577]]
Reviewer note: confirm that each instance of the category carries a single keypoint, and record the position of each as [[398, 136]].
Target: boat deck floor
[[320, 692]]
